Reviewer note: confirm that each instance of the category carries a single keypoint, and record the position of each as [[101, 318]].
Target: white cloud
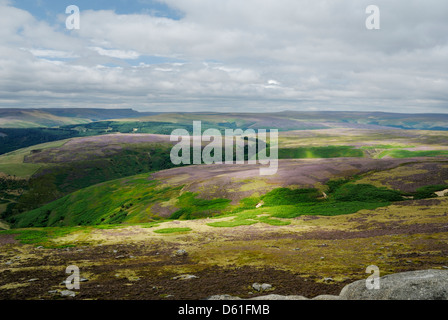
[[119, 54], [273, 82], [43, 53]]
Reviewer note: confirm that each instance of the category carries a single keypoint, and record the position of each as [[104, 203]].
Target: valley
[[351, 190]]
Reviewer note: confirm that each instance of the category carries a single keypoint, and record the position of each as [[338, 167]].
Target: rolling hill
[[305, 120], [109, 200], [52, 117], [40, 174], [49, 171], [207, 190], [21, 128]]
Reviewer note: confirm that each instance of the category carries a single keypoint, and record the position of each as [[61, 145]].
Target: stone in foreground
[[413, 285]]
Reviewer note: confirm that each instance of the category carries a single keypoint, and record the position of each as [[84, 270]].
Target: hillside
[[51, 117], [310, 256], [21, 128], [344, 197], [303, 120], [28, 118], [236, 190], [37, 175]]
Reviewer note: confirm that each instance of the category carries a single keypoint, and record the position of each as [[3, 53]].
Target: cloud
[[52, 54], [258, 55], [119, 54]]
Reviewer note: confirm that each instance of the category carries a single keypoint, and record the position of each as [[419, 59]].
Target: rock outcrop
[[412, 285]]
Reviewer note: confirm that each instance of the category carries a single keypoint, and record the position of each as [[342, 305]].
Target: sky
[[225, 55]]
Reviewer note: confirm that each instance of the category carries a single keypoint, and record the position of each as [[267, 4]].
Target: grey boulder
[[412, 285]]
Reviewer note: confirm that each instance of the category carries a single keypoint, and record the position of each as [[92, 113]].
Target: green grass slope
[[141, 199], [129, 200], [50, 171], [319, 152]]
